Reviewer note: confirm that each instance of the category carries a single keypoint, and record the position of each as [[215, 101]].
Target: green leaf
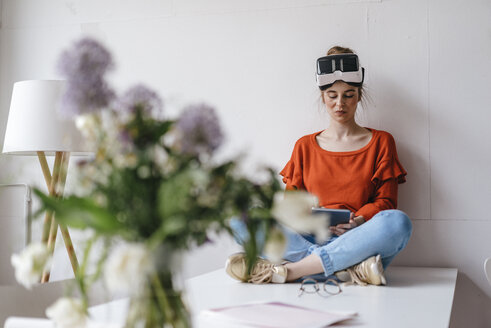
[[164, 127], [174, 225], [81, 213], [173, 194]]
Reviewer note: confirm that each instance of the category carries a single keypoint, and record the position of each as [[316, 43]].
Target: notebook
[[271, 315]]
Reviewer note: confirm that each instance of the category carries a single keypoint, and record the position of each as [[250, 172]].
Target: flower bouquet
[[151, 190]]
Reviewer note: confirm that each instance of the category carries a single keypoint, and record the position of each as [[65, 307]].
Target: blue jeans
[[386, 233]]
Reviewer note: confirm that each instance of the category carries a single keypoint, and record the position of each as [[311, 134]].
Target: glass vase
[[161, 303]]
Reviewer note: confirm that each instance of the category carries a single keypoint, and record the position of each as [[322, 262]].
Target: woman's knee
[[396, 222]]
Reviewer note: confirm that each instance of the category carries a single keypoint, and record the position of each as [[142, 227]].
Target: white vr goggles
[[339, 67]]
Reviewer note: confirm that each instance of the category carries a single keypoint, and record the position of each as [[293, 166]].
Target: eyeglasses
[[311, 286]]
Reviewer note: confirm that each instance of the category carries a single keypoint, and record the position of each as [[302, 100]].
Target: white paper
[[272, 315]]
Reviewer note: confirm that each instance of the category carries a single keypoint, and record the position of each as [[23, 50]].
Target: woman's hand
[[354, 222]]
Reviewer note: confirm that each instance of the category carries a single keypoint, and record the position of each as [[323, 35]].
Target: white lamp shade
[[34, 123]]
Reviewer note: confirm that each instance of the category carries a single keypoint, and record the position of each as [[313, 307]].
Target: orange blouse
[[363, 181]]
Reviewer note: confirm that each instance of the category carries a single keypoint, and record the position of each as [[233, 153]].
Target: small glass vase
[[161, 303]]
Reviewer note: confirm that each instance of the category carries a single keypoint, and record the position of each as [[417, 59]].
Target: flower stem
[[81, 271], [175, 314], [162, 297]]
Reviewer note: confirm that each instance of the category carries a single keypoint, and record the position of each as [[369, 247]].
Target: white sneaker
[[263, 271], [369, 271]]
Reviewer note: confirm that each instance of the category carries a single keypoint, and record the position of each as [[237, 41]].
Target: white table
[[414, 297], [17, 301]]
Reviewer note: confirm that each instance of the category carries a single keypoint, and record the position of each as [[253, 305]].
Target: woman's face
[[341, 100]]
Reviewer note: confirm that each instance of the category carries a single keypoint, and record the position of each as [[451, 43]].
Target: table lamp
[[35, 128]]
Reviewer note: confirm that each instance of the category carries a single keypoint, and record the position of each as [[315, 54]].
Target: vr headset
[[339, 67]]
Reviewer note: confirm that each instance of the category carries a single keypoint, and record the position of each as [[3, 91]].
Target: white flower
[[143, 172], [294, 209], [88, 125], [125, 160], [30, 264], [275, 246], [67, 312], [200, 179], [127, 268], [158, 155]]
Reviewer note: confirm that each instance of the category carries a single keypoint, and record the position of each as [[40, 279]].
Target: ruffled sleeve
[[388, 166], [388, 173], [292, 176], [292, 172], [389, 169]]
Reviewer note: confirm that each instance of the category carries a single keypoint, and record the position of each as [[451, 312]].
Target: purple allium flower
[[143, 98], [84, 65], [199, 130]]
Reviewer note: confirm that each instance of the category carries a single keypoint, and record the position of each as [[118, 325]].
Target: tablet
[[336, 216]]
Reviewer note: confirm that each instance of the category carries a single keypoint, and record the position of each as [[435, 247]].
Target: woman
[[346, 166]]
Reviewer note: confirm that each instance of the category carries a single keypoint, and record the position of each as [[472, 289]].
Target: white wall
[[428, 70]]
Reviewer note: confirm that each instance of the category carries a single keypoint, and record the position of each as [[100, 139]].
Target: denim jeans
[[386, 233]]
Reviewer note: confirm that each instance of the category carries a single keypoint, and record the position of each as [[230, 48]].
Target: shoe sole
[[378, 269], [343, 276]]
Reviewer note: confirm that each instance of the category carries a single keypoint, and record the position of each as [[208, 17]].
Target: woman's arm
[[385, 198]]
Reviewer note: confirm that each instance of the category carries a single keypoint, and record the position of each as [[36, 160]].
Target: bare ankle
[[292, 272], [307, 266]]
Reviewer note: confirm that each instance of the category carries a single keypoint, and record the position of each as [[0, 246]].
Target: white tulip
[[294, 209], [127, 268], [67, 312], [30, 264]]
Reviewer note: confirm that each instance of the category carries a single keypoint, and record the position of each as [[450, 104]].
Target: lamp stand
[[56, 186]]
